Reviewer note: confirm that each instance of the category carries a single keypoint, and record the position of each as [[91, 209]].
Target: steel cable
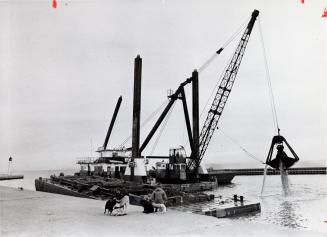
[[161, 130], [271, 95], [213, 56], [241, 147], [144, 122]]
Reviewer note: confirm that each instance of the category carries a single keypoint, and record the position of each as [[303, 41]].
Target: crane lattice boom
[[223, 93]]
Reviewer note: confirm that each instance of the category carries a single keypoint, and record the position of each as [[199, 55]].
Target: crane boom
[[223, 93]]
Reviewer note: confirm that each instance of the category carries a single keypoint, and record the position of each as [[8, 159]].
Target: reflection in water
[[303, 208]]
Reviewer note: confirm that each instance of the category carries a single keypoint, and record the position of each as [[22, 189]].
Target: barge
[[182, 197], [98, 187]]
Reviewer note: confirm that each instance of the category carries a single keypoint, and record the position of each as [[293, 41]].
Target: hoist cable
[[161, 130], [271, 95], [144, 122], [242, 27], [154, 113], [241, 147], [214, 55], [212, 92], [223, 71], [204, 66]]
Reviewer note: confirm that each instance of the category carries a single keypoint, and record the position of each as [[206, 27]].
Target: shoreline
[[47, 214]]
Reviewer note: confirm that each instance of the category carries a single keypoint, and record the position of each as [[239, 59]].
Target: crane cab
[[175, 170], [177, 155]]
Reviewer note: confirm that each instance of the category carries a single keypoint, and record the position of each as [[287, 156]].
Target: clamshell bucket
[[281, 156]]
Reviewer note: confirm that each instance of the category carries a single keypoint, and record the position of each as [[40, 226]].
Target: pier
[[259, 171], [8, 177]]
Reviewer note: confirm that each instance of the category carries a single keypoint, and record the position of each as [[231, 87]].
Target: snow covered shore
[[31, 213]]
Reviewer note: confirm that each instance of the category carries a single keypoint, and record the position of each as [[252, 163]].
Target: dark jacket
[[159, 196]]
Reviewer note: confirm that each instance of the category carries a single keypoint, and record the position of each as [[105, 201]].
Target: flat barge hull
[[44, 185], [222, 177]]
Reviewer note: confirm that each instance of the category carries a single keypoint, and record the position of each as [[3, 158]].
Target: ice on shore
[[30, 213]]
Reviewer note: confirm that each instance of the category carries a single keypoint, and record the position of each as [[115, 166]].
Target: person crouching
[[122, 203], [158, 198]]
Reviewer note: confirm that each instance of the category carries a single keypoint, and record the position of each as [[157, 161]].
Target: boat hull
[[43, 185], [223, 177]]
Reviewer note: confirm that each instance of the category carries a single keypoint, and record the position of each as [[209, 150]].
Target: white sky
[[62, 71]]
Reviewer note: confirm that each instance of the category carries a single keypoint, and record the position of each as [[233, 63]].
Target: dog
[[110, 206], [148, 208]]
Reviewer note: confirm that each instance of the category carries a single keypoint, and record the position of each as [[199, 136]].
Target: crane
[[199, 141], [222, 95]]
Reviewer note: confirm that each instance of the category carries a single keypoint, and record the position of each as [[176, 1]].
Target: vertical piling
[[113, 119], [136, 112], [195, 113]]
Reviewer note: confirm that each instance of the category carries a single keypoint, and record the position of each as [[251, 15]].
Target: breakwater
[[292, 171], [8, 177]]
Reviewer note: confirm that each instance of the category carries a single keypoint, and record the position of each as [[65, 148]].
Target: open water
[[303, 207]]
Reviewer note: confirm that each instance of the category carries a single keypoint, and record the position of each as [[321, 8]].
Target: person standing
[[158, 198]]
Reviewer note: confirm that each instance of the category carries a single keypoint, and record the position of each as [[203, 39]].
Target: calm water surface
[[304, 208], [30, 176]]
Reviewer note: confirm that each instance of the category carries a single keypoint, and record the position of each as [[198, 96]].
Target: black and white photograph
[[163, 118]]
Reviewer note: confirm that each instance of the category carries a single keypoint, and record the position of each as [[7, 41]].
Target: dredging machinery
[[181, 173], [129, 163], [282, 160]]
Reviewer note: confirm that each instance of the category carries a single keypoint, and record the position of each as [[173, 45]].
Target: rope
[[242, 148], [144, 122], [271, 95], [231, 38], [161, 130]]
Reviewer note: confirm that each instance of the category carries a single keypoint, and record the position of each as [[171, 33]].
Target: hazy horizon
[[246, 165]]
